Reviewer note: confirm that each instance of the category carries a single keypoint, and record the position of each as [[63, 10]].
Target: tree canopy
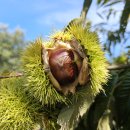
[[11, 44]]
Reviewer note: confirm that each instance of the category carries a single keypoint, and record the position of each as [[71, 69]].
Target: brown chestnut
[[63, 66]]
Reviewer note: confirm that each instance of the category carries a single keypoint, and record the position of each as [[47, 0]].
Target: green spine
[[38, 83]]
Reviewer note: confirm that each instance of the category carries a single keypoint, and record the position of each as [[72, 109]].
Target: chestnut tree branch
[[111, 67], [86, 6], [11, 76], [118, 67]]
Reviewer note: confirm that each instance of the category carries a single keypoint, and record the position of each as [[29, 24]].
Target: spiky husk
[[92, 48], [19, 98], [97, 61], [18, 111], [85, 95], [38, 83]]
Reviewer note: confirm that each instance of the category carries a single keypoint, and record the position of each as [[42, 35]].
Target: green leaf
[[100, 16], [122, 99], [70, 116], [104, 122], [112, 3]]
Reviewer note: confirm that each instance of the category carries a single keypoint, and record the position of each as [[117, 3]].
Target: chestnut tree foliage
[[11, 44], [32, 102], [111, 111]]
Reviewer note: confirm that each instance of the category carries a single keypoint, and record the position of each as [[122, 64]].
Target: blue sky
[[41, 17], [38, 17]]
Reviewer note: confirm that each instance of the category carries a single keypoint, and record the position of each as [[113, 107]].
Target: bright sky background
[[38, 17], [41, 17]]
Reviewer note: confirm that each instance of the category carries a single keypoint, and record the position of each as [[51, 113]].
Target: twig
[[11, 76], [118, 67], [111, 67], [86, 6], [125, 17]]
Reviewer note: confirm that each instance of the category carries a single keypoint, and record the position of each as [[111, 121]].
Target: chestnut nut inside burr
[[68, 65], [63, 65]]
